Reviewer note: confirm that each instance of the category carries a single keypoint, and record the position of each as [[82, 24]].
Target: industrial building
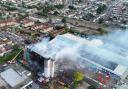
[[86, 53], [15, 79]]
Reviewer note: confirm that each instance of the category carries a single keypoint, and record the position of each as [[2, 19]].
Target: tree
[[91, 87], [0, 13], [63, 20], [2, 87], [78, 76], [59, 6], [65, 88], [80, 1], [102, 31], [101, 20], [59, 27], [56, 13], [124, 21], [88, 16], [101, 8], [15, 47], [46, 87], [71, 7]]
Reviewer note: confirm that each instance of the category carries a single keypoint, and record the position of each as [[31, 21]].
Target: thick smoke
[[67, 53], [112, 47], [115, 47], [117, 42], [39, 46]]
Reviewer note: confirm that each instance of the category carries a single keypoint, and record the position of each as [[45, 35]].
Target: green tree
[[80, 1], [101, 20], [78, 76], [0, 13], [71, 7], [46, 87], [15, 47], [59, 6], [88, 16], [124, 22], [101, 8], [91, 87], [56, 13], [63, 20], [65, 88], [102, 31]]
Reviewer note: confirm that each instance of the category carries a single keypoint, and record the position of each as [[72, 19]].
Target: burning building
[[87, 54], [36, 60]]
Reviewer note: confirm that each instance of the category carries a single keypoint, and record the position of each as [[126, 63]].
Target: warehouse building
[[87, 52]]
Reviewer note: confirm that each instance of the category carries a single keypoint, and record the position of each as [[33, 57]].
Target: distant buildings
[[57, 1], [64, 2], [5, 45], [118, 11], [42, 27], [54, 33], [7, 22], [26, 22]]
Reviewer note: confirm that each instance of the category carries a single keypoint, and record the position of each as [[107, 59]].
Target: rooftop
[[14, 79]]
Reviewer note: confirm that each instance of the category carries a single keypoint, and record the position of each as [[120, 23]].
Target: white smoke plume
[[117, 42], [40, 47], [113, 47], [68, 53]]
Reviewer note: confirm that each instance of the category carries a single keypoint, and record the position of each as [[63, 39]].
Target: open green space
[[10, 56]]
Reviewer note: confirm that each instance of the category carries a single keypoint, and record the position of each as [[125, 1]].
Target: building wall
[[47, 68], [124, 75]]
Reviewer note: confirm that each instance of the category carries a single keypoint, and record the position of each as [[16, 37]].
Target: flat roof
[[120, 70], [12, 77], [99, 60], [123, 87]]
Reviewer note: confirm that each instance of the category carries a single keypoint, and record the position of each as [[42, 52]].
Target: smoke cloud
[[116, 42], [112, 47]]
